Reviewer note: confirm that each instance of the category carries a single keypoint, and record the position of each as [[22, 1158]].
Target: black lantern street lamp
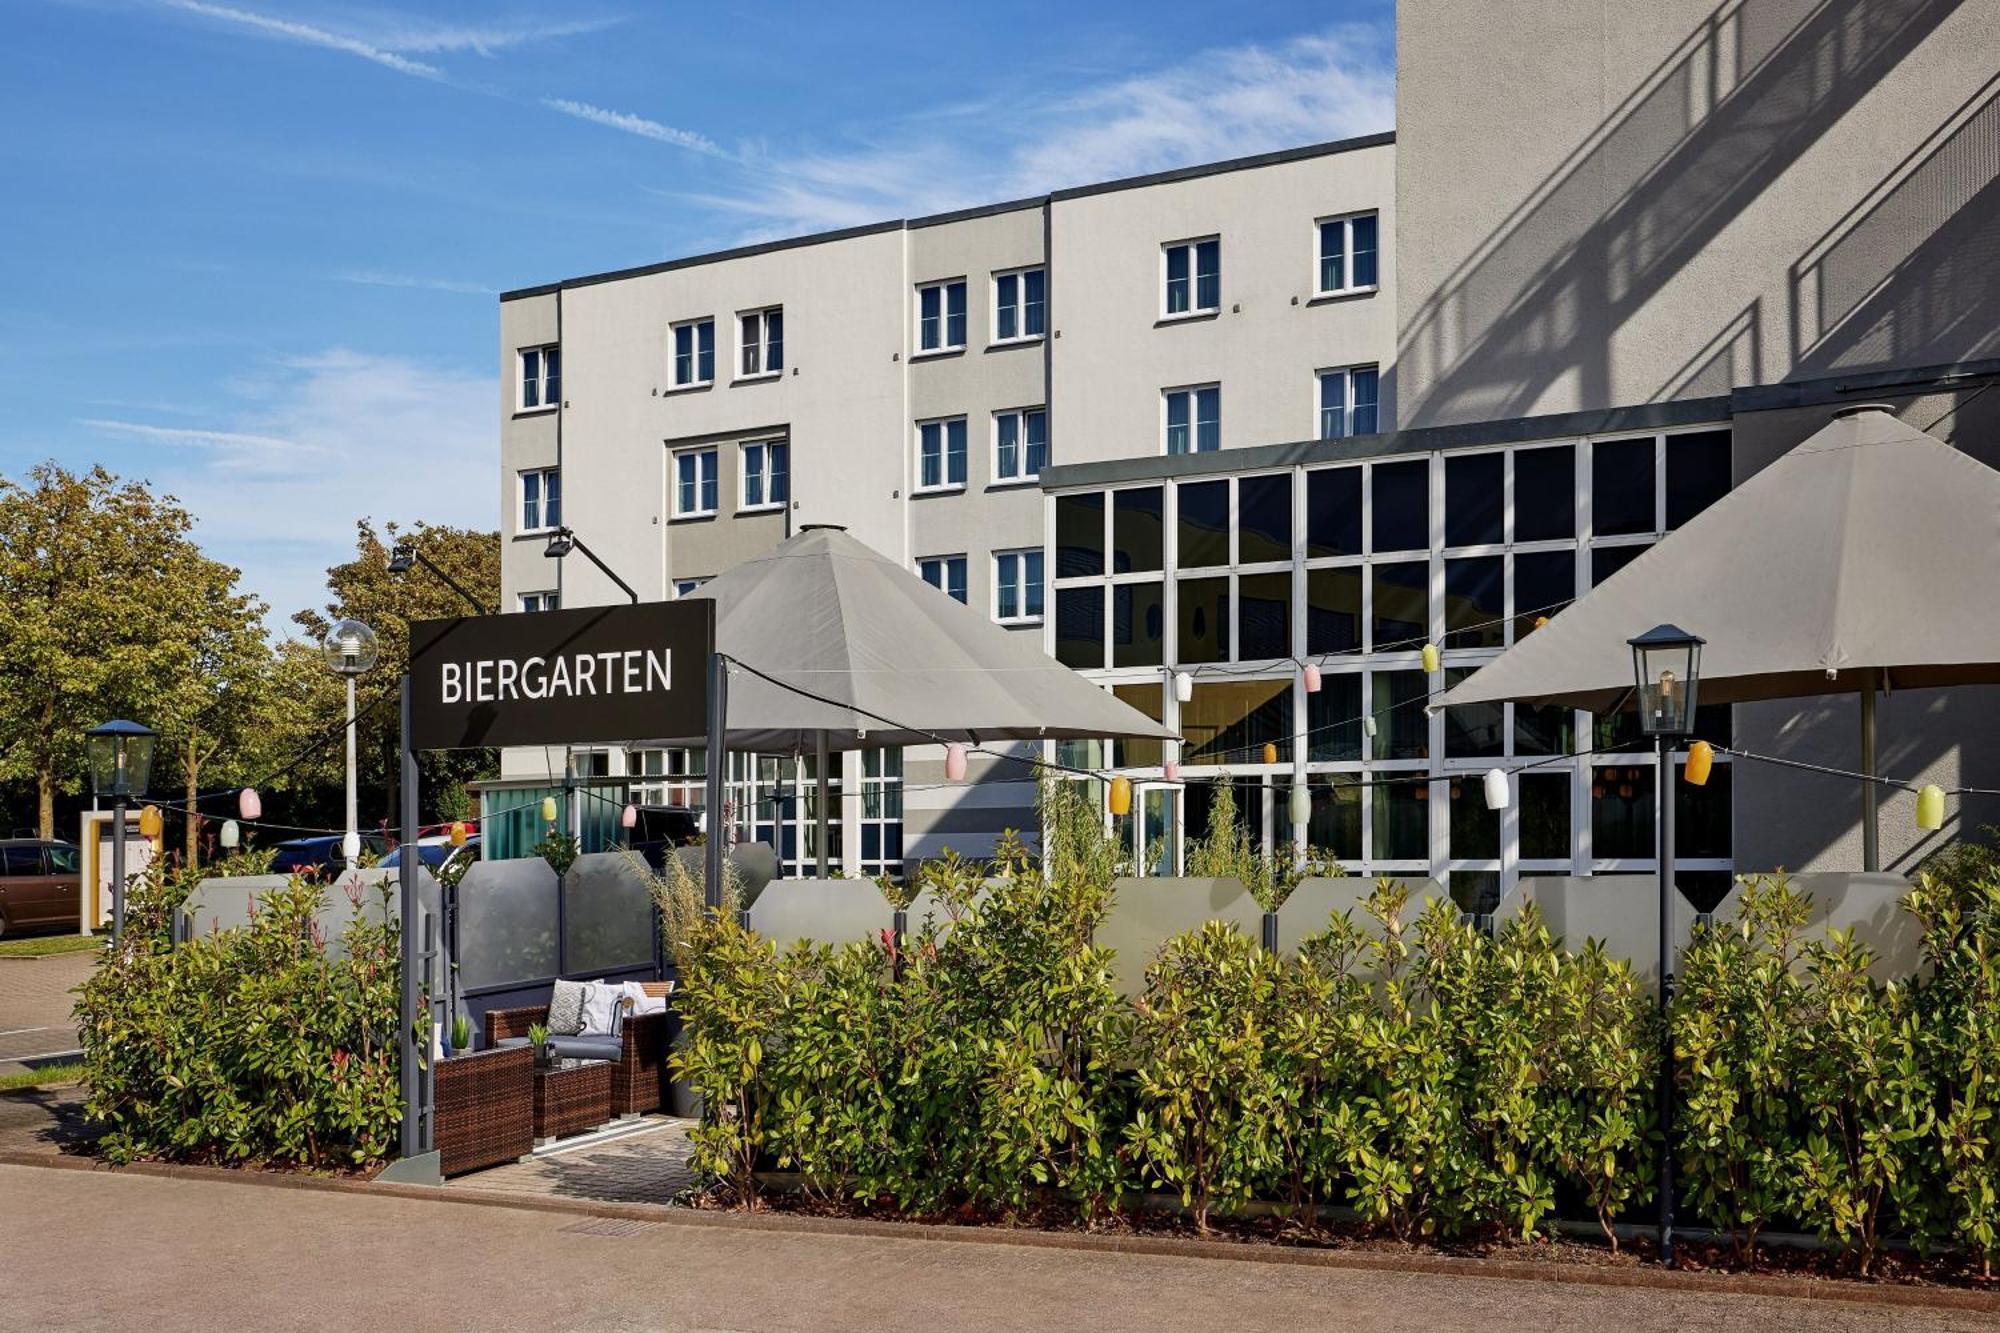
[[1666, 667], [120, 756]]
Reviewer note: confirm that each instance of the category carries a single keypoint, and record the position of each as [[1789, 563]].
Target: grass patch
[[47, 1076], [47, 946]]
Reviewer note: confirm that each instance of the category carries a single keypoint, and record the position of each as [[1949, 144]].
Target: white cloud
[[394, 46], [310, 34], [375, 278], [317, 443], [631, 124], [1215, 105]]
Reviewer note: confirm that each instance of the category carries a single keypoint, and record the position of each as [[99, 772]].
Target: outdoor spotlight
[[120, 756], [350, 648], [402, 557], [561, 543]]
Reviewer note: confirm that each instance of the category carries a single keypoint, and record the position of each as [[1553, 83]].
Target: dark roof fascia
[[1429, 439], [965, 214], [1271, 159], [1899, 382], [713, 257]]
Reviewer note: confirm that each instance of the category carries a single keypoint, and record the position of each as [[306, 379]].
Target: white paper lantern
[[232, 836], [1183, 686], [1498, 795]]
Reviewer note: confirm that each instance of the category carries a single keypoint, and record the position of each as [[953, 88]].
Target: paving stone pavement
[[646, 1164], [35, 1005]]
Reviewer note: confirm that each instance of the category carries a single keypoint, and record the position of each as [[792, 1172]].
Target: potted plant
[[538, 1037], [461, 1035]]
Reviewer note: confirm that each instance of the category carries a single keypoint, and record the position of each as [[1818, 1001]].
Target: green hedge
[[1435, 1080], [244, 1045]]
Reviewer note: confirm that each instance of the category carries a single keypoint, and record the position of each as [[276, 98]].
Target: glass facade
[[1354, 566]]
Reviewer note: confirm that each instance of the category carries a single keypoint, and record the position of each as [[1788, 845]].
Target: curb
[[1791, 1288]]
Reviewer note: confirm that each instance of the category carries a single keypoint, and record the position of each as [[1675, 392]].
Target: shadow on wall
[[1916, 265], [1701, 139]]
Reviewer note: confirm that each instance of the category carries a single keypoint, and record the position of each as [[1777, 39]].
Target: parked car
[[322, 853], [39, 884], [436, 852]]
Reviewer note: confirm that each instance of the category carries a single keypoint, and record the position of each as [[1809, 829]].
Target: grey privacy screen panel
[[507, 923], [607, 915]]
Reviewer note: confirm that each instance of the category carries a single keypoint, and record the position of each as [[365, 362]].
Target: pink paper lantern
[[1312, 679], [954, 762], [1173, 770], [249, 805], [629, 817]]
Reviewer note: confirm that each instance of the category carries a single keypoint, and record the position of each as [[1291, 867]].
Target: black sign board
[[600, 673]]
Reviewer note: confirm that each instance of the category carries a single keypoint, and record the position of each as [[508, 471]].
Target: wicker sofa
[[638, 1061], [484, 1105]]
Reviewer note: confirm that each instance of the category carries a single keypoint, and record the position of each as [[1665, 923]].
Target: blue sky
[[253, 249]]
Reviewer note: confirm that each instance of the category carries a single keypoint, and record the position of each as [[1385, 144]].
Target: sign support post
[[718, 774]]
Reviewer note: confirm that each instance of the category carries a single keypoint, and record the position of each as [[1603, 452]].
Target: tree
[[364, 589], [103, 596]]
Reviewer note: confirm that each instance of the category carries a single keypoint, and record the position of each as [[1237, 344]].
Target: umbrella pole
[[1871, 833], [820, 798]]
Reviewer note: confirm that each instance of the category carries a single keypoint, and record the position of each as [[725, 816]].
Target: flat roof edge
[[1168, 177]]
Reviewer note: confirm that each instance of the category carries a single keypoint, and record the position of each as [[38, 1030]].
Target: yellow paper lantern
[[1541, 621], [1930, 806], [1270, 753], [1121, 796], [458, 833], [1430, 657], [1701, 758], [150, 822], [548, 809]]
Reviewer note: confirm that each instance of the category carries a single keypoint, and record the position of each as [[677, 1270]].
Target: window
[[695, 482], [1203, 530], [694, 353], [682, 587], [1080, 626], [1020, 305], [1194, 419], [1347, 254], [763, 343], [541, 601], [941, 316], [881, 812], [941, 455], [1138, 624], [1079, 534], [1193, 278], [1138, 530], [541, 378], [1017, 586], [1475, 493], [767, 480], [1545, 494], [1697, 473], [1621, 486], [541, 499], [1264, 518], [945, 572], [1333, 512], [1402, 505], [1020, 444], [1348, 402]]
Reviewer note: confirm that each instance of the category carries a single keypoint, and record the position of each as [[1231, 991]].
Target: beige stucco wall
[[1633, 202]]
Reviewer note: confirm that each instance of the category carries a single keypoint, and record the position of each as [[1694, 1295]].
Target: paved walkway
[[35, 1005], [168, 1255], [645, 1161]]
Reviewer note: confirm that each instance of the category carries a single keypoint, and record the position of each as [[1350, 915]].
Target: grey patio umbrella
[[884, 658], [1863, 558]]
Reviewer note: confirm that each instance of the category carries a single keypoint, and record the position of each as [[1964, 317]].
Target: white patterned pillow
[[566, 1009], [602, 1001]]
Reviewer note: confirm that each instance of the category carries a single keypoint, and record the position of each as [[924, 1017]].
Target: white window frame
[[946, 485], [1346, 221], [1346, 374], [540, 380], [743, 502], [674, 381], [1194, 421], [944, 562], [714, 455], [945, 346], [539, 601], [1020, 556], [1022, 475], [762, 346], [1020, 276], [1195, 310], [542, 515]]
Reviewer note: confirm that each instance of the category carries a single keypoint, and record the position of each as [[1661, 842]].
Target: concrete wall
[[1114, 354], [1635, 202]]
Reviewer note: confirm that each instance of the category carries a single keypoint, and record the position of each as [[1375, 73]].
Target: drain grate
[[611, 1226]]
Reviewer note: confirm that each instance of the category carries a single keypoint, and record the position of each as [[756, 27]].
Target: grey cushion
[[586, 1048], [566, 1009]]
